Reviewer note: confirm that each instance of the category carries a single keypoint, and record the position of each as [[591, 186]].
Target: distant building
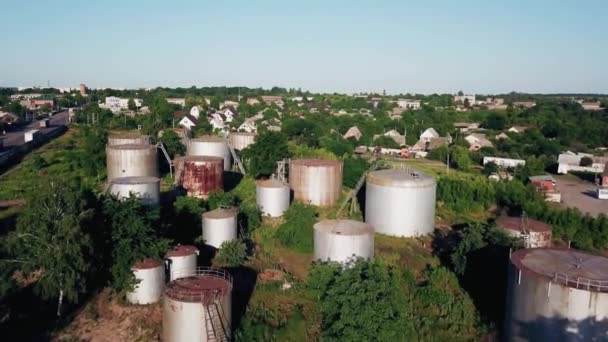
[[25, 96], [40, 103], [501, 136], [495, 104], [353, 132], [477, 141], [408, 104], [196, 111], [229, 103], [518, 129], [429, 134], [177, 101], [464, 98], [546, 185], [592, 105], [9, 118], [570, 161], [253, 101], [524, 104], [465, 127], [188, 122], [83, 89], [116, 104], [393, 134], [273, 99], [504, 162]]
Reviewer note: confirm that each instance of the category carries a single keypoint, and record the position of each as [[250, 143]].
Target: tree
[[261, 157], [173, 143], [231, 254], [495, 121], [131, 105], [490, 168], [296, 231], [386, 142], [202, 128], [51, 242], [461, 158], [586, 161]]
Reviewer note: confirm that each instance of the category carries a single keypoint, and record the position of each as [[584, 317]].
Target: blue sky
[[342, 46]]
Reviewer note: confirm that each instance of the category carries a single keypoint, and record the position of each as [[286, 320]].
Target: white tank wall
[[125, 140], [187, 322], [182, 266], [537, 311], [147, 189], [139, 161], [342, 248], [150, 287], [240, 140], [211, 148], [218, 230], [272, 200], [398, 210]]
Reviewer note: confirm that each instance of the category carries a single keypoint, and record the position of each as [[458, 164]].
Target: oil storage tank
[[220, 225], [182, 261], [240, 140], [557, 295], [316, 181], [198, 308], [343, 240], [147, 189], [200, 175], [272, 197], [532, 233], [132, 160], [150, 275], [211, 146], [400, 202], [126, 138]]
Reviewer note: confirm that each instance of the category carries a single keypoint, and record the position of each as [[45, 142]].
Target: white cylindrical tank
[[400, 202], [147, 189], [126, 138], [220, 225], [182, 261], [240, 140], [557, 295], [343, 240], [132, 161], [272, 197], [316, 181], [150, 274], [212, 146], [198, 308]]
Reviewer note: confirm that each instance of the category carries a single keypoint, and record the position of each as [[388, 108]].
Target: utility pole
[[447, 165]]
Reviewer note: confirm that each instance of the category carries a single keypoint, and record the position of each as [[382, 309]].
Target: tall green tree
[[261, 157], [173, 143]]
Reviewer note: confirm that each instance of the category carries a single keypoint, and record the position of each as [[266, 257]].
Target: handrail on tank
[[204, 296], [582, 282]]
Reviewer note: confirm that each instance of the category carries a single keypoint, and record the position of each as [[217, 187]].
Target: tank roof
[[125, 134], [207, 285], [568, 267], [220, 213], [134, 180], [132, 147], [400, 178], [344, 227], [519, 224], [271, 183], [147, 263], [315, 162], [243, 133], [208, 138], [181, 250]]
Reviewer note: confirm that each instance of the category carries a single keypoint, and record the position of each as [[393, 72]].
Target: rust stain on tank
[[200, 175], [316, 181]]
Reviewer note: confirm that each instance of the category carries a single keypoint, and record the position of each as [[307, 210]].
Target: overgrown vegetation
[[296, 231]]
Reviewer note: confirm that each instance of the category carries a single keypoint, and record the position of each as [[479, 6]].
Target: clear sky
[[344, 46]]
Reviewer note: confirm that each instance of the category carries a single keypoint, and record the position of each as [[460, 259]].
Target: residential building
[[429, 134], [196, 111], [9, 118], [501, 136], [570, 161], [461, 99], [229, 113], [217, 121], [465, 127], [524, 104], [546, 185], [229, 103], [37, 103], [25, 96], [592, 105], [477, 141], [273, 99], [188, 121], [518, 129], [83, 89], [504, 162], [393, 134], [180, 101], [253, 101], [409, 104], [249, 125], [116, 104], [495, 104], [353, 132]]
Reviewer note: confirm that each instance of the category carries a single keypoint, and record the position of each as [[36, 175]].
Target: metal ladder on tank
[[352, 196], [215, 323], [162, 148], [236, 158]]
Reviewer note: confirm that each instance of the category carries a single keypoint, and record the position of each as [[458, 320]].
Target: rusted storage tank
[[150, 275], [220, 225], [240, 140], [212, 146], [198, 308], [182, 261], [316, 181], [532, 233], [557, 295], [147, 189], [400, 202], [272, 197], [343, 240], [200, 175], [133, 160], [126, 138]]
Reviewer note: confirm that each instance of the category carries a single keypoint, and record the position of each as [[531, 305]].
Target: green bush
[[231, 254], [296, 231]]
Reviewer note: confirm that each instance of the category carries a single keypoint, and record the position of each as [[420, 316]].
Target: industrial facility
[[199, 175], [211, 146], [556, 295], [240, 140], [132, 160], [198, 307], [146, 189], [343, 240], [126, 138], [532, 233], [220, 225], [150, 277], [182, 261], [272, 197], [316, 181], [400, 202]]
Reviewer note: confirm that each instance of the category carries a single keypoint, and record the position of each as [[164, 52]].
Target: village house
[[253, 101], [273, 99], [353, 132], [570, 161], [465, 127], [412, 104], [477, 141], [518, 129], [591, 105], [462, 99], [393, 134], [524, 104], [177, 101]]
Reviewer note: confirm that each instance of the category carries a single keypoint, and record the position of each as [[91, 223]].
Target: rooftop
[[520, 224], [220, 213], [207, 285], [147, 263], [181, 250]]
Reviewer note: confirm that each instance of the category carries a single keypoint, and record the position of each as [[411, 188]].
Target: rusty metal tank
[[316, 181], [400, 202], [557, 295], [146, 189], [150, 277], [240, 140], [532, 233], [343, 240], [199, 175], [126, 138], [198, 307], [272, 197], [132, 160], [212, 146]]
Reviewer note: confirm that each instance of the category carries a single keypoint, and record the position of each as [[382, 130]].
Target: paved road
[[16, 137], [577, 193]]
